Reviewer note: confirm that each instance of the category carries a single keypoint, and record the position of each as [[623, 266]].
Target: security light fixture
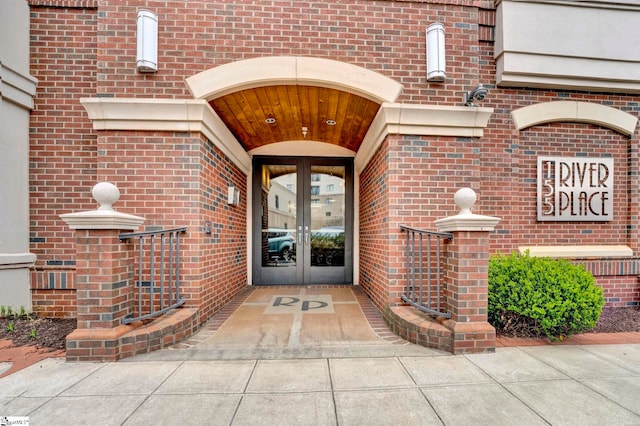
[[436, 64], [477, 94], [147, 47]]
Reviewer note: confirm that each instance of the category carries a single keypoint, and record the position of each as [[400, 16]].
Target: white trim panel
[[577, 251], [190, 115], [575, 112], [16, 87], [408, 119], [279, 70], [303, 148]]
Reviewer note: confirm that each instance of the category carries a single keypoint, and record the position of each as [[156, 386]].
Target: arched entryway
[[215, 146], [302, 121]]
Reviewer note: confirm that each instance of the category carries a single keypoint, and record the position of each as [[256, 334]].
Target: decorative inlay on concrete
[[315, 304], [290, 317]]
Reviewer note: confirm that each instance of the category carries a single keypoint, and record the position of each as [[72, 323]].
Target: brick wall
[[180, 179], [62, 166], [374, 229], [55, 303], [508, 161], [87, 48], [425, 172], [194, 36], [223, 254], [517, 189]]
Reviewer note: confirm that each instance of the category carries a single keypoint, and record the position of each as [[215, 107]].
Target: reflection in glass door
[[327, 207], [302, 221]]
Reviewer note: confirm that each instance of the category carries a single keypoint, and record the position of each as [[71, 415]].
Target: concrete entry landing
[[283, 322]]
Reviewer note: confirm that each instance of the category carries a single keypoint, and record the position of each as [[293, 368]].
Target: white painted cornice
[[575, 112], [467, 222], [99, 219], [17, 260], [426, 120], [177, 115]]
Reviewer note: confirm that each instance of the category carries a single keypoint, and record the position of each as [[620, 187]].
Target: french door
[[302, 220]]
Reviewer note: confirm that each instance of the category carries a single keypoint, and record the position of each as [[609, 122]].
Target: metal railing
[[424, 289], [157, 271]]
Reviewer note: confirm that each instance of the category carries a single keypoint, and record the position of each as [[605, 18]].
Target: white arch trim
[[577, 112], [303, 148], [279, 70]]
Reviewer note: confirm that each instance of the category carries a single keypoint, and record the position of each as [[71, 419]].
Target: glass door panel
[[276, 205], [303, 216], [327, 215], [278, 230]]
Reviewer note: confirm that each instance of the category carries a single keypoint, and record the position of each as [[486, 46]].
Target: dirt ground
[[43, 333], [618, 320]]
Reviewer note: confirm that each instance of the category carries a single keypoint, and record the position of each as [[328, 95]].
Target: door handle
[[306, 235], [299, 235]]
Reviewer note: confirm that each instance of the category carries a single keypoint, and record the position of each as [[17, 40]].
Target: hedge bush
[[537, 296]]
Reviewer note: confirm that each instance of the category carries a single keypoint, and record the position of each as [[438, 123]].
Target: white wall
[[567, 44], [17, 89]]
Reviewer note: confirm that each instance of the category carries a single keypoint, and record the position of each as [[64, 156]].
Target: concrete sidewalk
[[560, 385]]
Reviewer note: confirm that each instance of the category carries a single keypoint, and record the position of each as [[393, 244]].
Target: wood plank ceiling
[[270, 114]]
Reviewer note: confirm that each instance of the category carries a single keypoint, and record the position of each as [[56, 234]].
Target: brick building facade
[[142, 132]]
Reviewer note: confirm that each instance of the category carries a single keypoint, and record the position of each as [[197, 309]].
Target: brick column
[[467, 276], [104, 269]]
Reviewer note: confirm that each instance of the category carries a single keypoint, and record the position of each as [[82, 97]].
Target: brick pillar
[[104, 269], [467, 276]]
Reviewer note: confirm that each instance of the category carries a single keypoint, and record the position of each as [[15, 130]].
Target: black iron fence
[[157, 273], [424, 282]]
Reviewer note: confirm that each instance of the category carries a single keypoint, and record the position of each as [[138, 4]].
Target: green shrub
[[549, 297]]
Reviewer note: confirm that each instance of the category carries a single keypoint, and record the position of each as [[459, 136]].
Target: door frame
[[304, 273]]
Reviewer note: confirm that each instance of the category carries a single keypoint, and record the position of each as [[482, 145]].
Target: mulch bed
[[49, 333], [612, 320], [618, 320]]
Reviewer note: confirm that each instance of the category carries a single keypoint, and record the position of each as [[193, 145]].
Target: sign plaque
[[575, 189]]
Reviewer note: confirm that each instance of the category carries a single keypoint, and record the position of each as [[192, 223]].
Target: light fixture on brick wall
[[436, 64], [233, 196], [147, 51], [478, 94]]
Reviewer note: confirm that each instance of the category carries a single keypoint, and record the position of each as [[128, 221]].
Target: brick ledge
[[112, 344], [440, 333]]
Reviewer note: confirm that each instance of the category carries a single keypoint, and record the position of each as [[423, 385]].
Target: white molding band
[[16, 87], [303, 148], [99, 219], [17, 260], [196, 115], [177, 115], [292, 70], [576, 252], [425, 120], [575, 112]]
